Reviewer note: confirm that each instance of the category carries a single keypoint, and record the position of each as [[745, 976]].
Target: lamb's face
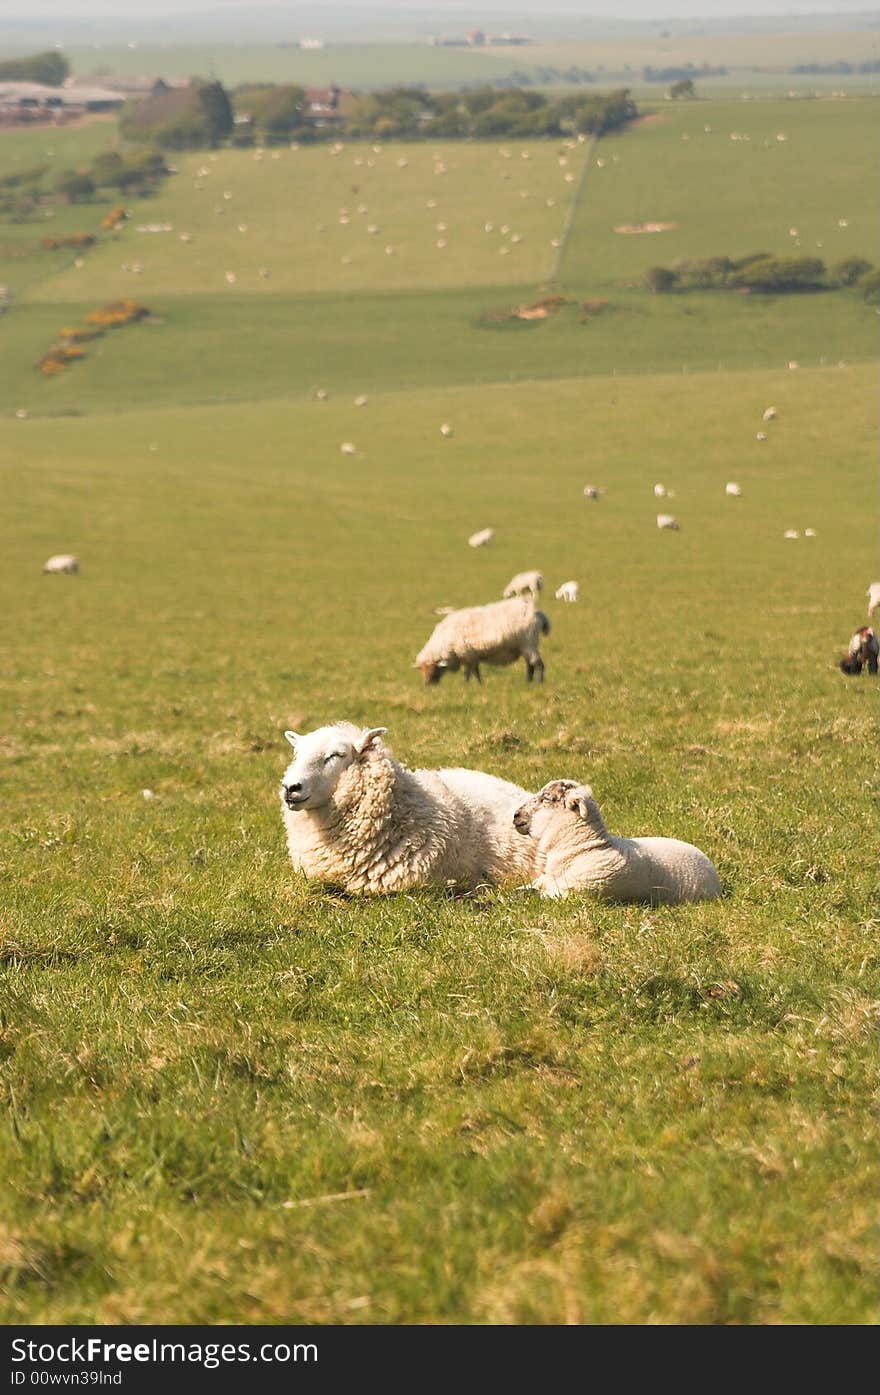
[[533, 817], [320, 759]]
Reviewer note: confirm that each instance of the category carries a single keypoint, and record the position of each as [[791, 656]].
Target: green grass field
[[753, 60], [234, 1096]]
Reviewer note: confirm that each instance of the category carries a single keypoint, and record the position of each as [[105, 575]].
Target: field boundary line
[[572, 210]]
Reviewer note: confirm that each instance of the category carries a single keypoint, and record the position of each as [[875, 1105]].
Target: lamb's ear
[[368, 738], [292, 737]]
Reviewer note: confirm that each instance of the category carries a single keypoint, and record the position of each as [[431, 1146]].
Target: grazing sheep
[[791, 534], [769, 414], [480, 539], [356, 818], [667, 520], [733, 490], [862, 652], [62, 564], [660, 491], [760, 435], [499, 634], [446, 430], [809, 532], [361, 401], [568, 591], [348, 448], [579, 854], [873, 598], [591, 491], [524, 584]]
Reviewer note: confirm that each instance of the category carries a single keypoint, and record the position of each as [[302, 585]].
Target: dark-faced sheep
[[862, 653]]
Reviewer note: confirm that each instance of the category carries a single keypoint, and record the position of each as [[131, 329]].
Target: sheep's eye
[[333, 756]]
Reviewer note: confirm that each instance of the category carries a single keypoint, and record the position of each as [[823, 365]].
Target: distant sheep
[[791, 534], [769, 414], [446, 430], [348, 448], [496, 634], [660, 491], [732, 489], [568, 591], [524, 584], [482, 538], [667, 520], [62, 564], [579, 854], [873, 598], [356, 818], [591, 491], [862, 653], [760, 435]]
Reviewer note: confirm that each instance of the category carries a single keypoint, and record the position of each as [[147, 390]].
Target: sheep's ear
[[579, 801], [368, 738], [292, 737]]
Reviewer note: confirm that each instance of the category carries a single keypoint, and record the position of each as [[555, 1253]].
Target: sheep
[[732, 489], [499, 634], [667, 520], [348, 448], [62, 564], [568, 591], [591, 491], [482, 538], [355, 817], [862, 653], [446, 430], [791, 534], [873, 594], [660, 491], [579, 854], [524, 584], [760, 435]]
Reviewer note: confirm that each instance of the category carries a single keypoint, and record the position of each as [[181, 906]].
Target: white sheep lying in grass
[[497, 634], [579, 854], [356, 818], [524, 584], [667, 520], [63, 563]]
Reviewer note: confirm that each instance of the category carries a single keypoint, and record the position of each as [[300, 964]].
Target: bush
[[49, 67], [77, 186], [661, 279], [781, 274], [869, 286], [851, 270]]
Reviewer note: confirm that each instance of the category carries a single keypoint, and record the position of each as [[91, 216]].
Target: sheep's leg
[[872, 665], [477, 674], [535, 666]]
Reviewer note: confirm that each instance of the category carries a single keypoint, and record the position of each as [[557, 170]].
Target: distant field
[[754, 59], [567, 1113], [725, 196], [285, 214]]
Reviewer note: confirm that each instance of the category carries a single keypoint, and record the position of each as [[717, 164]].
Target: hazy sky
[[23, 10]]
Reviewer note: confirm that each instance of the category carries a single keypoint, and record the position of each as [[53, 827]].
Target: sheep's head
[[433, 672], [559, 797], [320, 759]]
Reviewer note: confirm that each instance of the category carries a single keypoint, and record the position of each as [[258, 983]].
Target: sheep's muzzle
[[431, 673]]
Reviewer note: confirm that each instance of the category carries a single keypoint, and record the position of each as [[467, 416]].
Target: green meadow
[[231, 1095]]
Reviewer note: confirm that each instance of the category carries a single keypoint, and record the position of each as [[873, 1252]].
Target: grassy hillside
[[546, 1113], [728, 196]]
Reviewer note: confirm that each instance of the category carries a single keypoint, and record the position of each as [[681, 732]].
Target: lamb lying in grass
[[579, 854], [356, 818]]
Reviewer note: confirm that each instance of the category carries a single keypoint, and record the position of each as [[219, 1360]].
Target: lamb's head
[[561, 802], [320, 759]]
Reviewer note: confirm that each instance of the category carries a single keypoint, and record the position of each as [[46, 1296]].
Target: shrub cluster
[[54, 244], [763, 273], [278, 112], [67, 349], [183, 118], [50, 68]]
